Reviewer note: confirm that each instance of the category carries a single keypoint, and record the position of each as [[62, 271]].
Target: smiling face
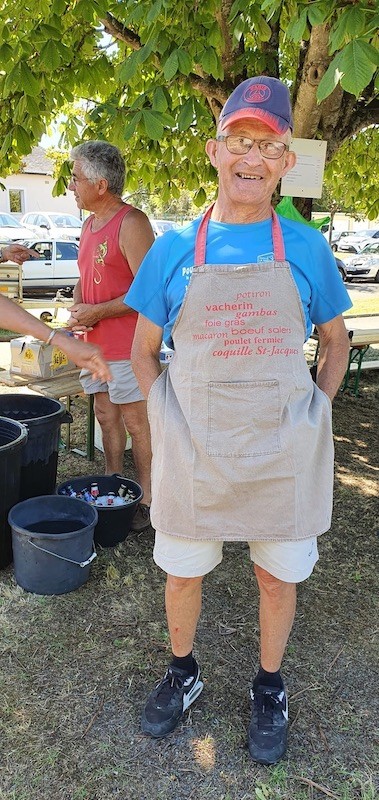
[[247, 182]]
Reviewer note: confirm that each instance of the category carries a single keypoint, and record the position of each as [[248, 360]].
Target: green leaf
[[317, 14], [159, 100], [22, 139], [331, 78], [131, 126], [6, 54], [200, 197], [171, 66], [214, 37], [12, 80], [357, 64], [297, 27], [128, 68], [7, 144], [153, 127], [50, 56], [355, 21], [264, 29], [209, 61], [237, 7], [29, 83], [59, 187], [59, 7], [184, 61], [154, 12], [186, 115], [166, 119]]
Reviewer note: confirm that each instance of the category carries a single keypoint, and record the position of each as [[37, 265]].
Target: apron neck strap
[[201, 238]]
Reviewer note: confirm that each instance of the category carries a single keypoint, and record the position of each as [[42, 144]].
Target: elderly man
[[16, 318], [235, 294], [113, 242]]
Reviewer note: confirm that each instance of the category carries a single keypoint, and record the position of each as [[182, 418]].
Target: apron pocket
[[243, 419]]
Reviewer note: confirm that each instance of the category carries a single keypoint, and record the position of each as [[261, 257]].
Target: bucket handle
[[78, 563]]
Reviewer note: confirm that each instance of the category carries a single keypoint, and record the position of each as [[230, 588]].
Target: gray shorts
[[122, 388], [291, 562]]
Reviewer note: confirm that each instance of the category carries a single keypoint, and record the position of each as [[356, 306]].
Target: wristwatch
[[1, 253]]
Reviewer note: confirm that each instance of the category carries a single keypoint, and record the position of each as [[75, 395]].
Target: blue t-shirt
[[159, 287]]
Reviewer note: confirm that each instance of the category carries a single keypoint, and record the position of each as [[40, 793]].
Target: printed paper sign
[[306, 177]]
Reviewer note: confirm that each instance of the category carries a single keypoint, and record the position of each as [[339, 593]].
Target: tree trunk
[[304, 205]]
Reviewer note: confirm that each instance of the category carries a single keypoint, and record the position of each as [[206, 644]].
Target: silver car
[[59, 225], [11, 229], [365, 266]]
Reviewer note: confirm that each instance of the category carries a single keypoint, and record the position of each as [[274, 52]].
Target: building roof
[[37, 163]]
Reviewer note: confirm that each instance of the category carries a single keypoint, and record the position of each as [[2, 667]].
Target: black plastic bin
[[13, 438], [52, 543], [114, 522], [43, 418]]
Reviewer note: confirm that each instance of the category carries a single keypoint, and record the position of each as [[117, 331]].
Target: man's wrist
[[2, 259]]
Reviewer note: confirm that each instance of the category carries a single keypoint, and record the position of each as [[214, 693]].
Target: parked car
[[335, 236], [59, 225], [160, 226], [56, 268], [341, 266], [365, 266], [11, 229], [354, 242]]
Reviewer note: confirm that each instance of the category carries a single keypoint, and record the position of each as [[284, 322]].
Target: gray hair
[[101, 160]]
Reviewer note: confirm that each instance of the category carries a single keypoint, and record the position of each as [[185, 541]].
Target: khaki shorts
[[122, 388], [291, 562]]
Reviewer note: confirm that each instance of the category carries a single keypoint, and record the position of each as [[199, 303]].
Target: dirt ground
[[76, 668]]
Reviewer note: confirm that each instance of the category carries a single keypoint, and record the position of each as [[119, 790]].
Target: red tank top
[[104, 275]]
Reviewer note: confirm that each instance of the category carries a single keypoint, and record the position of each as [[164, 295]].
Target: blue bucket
[[52, 539]]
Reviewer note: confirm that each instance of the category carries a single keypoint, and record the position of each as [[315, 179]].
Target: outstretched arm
[[87, 356]]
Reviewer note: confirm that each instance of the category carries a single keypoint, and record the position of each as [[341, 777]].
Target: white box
[[30, 356]]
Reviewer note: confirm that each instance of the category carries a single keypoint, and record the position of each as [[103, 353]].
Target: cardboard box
[[30, 356]]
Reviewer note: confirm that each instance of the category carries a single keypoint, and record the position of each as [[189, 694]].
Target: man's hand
[[84, 354], [18, 253], [83, 316]]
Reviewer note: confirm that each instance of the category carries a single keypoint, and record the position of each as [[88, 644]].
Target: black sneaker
[[141, 519], [269, 724], [169, 700]]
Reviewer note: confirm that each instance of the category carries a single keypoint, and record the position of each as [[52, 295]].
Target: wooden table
[[363, 331], [66, 385]]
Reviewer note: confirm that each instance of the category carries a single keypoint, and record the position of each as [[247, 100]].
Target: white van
[[56, 268]]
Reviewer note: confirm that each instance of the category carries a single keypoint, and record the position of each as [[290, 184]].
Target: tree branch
[[229, 52], [116, 29]]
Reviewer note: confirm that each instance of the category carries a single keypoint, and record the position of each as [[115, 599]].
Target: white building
[[31, 189]]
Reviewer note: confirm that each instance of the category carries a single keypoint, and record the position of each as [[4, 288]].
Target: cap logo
[[258, 93]]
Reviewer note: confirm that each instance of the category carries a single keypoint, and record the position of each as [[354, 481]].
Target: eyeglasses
[[75, 179], [240, 145]]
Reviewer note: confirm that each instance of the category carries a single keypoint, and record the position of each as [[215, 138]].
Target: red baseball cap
[[263, 98]]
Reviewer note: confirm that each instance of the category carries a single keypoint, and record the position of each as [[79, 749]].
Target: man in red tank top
[[114, 240]]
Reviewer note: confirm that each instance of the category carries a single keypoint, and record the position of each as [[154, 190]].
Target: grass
[[364, 305], [76, 668]]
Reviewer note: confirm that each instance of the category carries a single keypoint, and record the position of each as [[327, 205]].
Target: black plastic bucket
[[114, 522], [52, 541], [13, 437], [43, 418]]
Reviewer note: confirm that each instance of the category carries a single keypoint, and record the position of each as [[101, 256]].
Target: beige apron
[[242, 437]]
